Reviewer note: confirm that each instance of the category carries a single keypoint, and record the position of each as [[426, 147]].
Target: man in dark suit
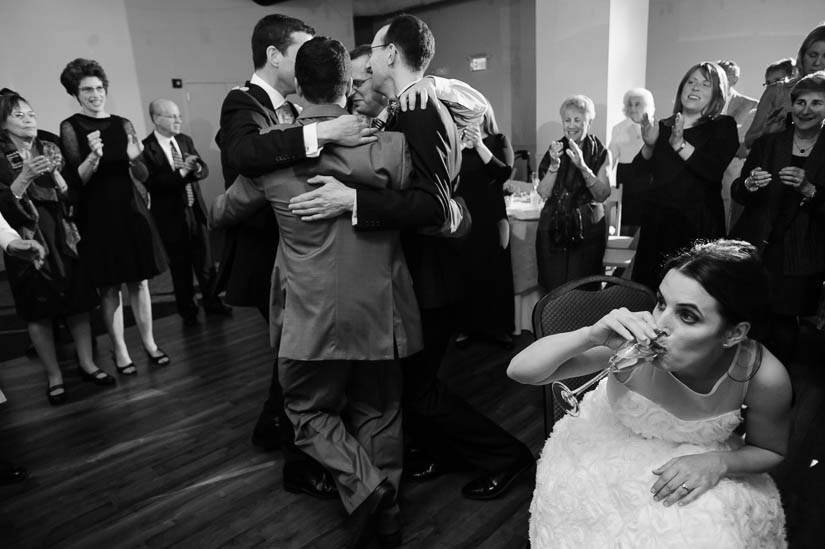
[[443, 423], [343, 306], [175, 168], [249, 252]]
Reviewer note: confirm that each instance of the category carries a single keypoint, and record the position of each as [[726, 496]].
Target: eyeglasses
[[172, 116], [782, 80], [20, 115], [378, 46]]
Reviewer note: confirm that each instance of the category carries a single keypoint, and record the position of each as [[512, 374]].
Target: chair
[[620, 250], [581, 303]]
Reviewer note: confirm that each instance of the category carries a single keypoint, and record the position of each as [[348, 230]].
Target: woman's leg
[[142, 309], [42, 337], [82, 334], [112, 309]]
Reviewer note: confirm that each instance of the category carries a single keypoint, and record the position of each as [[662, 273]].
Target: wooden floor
[[164, 459]]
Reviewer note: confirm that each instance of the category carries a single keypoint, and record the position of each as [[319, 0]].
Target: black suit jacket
[[168, 187], [435, 151], [249, 249]]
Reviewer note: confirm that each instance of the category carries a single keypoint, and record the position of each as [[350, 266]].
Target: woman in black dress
[[486, 163], [782, 187], [686, 156], [33, 198], [571, 236], [120, 241]]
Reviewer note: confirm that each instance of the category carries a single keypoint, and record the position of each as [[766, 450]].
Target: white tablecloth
[[523, 216]]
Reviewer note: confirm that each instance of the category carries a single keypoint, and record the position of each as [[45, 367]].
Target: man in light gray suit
[[343, 309]]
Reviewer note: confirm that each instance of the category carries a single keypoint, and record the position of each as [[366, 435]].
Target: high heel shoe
[[56, 399], [98, 377], [125, 370], [161, 360]]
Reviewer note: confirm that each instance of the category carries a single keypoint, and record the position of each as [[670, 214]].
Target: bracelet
[[678, 149], [551, 170]]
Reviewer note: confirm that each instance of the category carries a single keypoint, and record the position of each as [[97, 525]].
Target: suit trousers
[[347, 415], [190, 252], [443, 423]]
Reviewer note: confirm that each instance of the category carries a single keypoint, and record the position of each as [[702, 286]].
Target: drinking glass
[[631, 354]]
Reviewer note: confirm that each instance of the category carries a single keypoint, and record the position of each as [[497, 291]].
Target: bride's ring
[[684, 487]]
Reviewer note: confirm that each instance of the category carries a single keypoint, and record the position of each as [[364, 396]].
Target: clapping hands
[[757, 179], [35, 166], [554, 151], [575, 154], [134, 147], [650, 130], [677, 134], [95, 143]]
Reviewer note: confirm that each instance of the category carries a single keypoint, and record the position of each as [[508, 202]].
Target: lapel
[[260, 96], [815, 165], [158, 156]]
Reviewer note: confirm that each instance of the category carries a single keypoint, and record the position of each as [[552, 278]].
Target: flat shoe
[[98, 377], [161, 360], [55, 398]]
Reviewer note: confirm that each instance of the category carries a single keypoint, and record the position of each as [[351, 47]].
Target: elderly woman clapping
[[33, 200], [571, 235]]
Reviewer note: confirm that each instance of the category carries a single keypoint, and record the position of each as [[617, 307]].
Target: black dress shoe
[[423, 469], [267, 432], [12, 474], [493, 485], [363, 521], [216, 306], [389, 527], [309, 478]]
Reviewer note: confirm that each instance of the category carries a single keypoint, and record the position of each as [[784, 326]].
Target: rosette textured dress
[[595, 472]]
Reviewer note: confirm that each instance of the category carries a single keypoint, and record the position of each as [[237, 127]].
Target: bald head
[[165, 116]]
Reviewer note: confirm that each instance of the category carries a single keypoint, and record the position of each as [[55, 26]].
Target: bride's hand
[[685, 478], [620, 325]]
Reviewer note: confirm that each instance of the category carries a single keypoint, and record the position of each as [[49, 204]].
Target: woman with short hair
[[782, 189], [33, 198], [120, 241], [571, 236]]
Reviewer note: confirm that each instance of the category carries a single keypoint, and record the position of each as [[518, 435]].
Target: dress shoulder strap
[[747, 362]]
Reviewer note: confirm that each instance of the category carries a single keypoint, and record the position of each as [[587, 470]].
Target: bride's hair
[[731, 271]]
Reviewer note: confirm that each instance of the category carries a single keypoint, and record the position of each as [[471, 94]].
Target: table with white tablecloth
[[523, 217]]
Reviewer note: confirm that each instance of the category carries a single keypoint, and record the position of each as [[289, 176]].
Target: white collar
[[274, 95], [163, 140], [408, 86]]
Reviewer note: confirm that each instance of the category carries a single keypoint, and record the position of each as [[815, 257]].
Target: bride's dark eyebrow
[[688, 306]]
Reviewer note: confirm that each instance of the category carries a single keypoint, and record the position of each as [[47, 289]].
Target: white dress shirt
[[7, 234], [310, 130]]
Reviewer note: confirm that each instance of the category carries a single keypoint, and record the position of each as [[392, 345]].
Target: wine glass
[[631, 354]]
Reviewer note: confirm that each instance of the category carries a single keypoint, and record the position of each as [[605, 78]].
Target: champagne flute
[[631, 354]]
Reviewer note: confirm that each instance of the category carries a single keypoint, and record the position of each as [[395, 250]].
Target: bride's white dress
[[595, 473]]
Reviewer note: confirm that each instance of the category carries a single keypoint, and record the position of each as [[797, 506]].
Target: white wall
[[627, 54], [571, 58], [752, 33], [38, 38]]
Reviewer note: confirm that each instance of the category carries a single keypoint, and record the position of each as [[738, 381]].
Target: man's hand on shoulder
[[348, 130], [418, 94], [332, 199]]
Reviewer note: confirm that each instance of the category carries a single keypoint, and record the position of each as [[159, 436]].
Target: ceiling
[[369, 8]]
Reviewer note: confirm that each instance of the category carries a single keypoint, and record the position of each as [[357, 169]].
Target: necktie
[[378, 124], [179, 165], [285, 114]]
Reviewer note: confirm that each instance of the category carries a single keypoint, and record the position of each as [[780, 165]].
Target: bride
[[653, 459]]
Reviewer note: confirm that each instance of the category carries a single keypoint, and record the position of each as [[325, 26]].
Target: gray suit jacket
[[337, 293]]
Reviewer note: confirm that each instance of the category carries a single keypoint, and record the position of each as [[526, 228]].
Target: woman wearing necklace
[[33, 198], [781, 189]]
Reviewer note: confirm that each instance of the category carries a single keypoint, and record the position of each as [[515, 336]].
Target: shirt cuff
[[355, 210], [311, 141]]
